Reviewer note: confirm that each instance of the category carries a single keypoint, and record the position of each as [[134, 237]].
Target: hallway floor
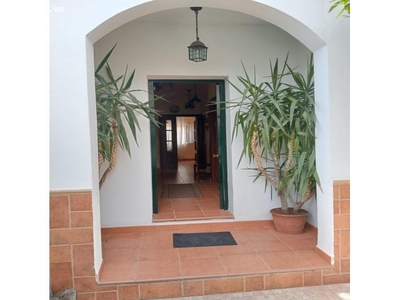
[[189, 209]]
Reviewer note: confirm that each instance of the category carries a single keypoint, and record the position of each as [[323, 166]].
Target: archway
[[267, 13]]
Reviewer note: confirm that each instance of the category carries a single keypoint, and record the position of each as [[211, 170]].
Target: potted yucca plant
[[277, 119], [116, 106]]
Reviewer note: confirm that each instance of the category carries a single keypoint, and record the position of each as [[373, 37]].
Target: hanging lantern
[[197, 50]]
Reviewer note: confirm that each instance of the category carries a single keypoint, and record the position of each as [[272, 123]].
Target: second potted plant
[[277, 119]]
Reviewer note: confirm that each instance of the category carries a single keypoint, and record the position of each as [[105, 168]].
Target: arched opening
[[263, 12]]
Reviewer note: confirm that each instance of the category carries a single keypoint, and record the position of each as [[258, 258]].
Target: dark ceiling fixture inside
[[197, 50], [189, 104], [192, 102]]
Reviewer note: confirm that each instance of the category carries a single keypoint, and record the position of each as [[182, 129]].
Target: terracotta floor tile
[[214, 206], [186, 207], [118, 271], [234, 250], [202, 266], [164, 202], [183, 201], [158, 269], [160, 253], [302, 236], [258, 236], [189, 215], [121, 254], [166, 208], [156, 241], [208, 202], [197, 252], [209, 194], [313, 258], [269, 246], [284, 261], [244, 264], [210, 214], [301, 244], [121, 241], [167, 216]]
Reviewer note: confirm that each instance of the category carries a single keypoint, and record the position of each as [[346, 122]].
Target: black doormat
[[183, 240]]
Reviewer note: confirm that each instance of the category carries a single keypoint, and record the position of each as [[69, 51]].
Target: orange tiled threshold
[[145, 255], [186, 209]]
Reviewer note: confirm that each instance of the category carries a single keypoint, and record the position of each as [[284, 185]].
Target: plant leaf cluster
[[117, 106], [277, 119], [343, 4]]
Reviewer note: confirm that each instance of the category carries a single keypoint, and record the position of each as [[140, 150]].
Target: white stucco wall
[[79, 24]]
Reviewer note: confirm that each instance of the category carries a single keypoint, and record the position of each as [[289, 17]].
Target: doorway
[[178, 138], [190, 144]]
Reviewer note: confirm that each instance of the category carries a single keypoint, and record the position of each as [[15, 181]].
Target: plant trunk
[[284, 203], [307, 196], [113, 159], [111, 165], [105, 174], [255, 149], [100, 157], [298, 206]]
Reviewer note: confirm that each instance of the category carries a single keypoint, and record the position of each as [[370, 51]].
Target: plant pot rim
[[278, 211]]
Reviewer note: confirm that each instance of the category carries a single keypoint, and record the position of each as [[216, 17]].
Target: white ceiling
[[205, 16]]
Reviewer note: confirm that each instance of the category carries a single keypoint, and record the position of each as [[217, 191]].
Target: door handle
[[215, 155]]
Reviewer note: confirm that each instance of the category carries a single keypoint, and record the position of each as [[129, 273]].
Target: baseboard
[[324, 256]]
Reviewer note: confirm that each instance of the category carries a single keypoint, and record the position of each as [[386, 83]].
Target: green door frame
[[221, 136]]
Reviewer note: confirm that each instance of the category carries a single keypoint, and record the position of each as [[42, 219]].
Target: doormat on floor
[[183, 240], [187, 190]]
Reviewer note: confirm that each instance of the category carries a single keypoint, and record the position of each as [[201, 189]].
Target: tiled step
[[142, 261]]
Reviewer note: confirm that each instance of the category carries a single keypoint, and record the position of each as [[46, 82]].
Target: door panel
[[221, 145], [168, 143], [154, 147]]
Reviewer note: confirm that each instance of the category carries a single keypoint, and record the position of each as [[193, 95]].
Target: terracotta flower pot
[[289, 223]]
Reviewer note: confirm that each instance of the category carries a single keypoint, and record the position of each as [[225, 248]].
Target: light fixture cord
[[197, 26]]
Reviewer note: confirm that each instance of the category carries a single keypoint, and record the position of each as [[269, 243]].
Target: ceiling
[[205, 16]]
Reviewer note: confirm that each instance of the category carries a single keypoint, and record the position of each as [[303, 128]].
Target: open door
[[219, 156]]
